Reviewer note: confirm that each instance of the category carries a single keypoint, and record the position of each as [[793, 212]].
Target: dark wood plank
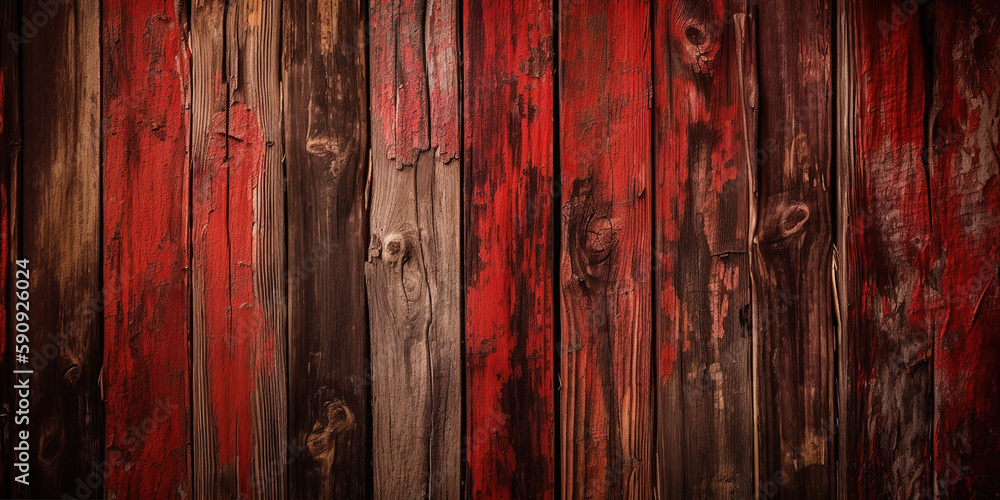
[[965, 197], [239, 252], [508, 49], [146, 375], [62, 206], [705, 126], [885, 379], [792, 253], [605, 154], [413, 271], [324, 84], [10, 154]]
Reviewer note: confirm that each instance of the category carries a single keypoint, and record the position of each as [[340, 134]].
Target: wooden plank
[[965, 204], [10, 154], [146, 375], [239, 252], [705, 127], [509, 256], [62, 206], [413, 273], [326, 142], [606, 327], [885, 378], [792, 252]]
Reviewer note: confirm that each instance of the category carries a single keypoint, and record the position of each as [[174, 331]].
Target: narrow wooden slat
[[239, 261], [965, 197], [413, 273], [61, 203], [704, 137], [886, 379], [508, 262], [10, 153], [146, 376], [605, 154], [324, 87], [792, 252]]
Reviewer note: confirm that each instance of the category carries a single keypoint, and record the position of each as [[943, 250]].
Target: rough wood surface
[[885, 342], [704, 132], [239, 251], [61, 202], [414, 259], [146, 376], [324, 85], [508, 261], [792, 252], [10, 153], [964, 134], [605, 155]]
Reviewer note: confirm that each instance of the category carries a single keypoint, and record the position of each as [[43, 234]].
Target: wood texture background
[[502, 249]]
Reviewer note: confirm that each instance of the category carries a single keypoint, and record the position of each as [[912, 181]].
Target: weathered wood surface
[[704, 132], [61, 202], [325, 102], [10, 154], [239, 306], [964, 135], [605, 155], [509, 248], [414, 258], [885, 342], [146, 377], [792, 258]]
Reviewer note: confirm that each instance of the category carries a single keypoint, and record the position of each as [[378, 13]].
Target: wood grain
[[414, 259], [61, 202], [324, 85], [508, 262], [605, 159], [146, 377], [885, 347], [10, 159], [965, 210], [792, 252], [704, 132], [239, 252]]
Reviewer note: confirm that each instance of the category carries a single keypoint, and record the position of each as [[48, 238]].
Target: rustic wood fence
[[500, 248]]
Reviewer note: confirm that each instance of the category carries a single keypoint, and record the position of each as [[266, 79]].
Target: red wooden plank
[[792, 253], [704, 136], [414, 261], [508, 86], [238, 253], [965, 197], [146, 357], [886, 379], [606, 401], [10, 147]]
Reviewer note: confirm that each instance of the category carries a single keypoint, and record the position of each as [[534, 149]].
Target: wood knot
[[599, 240], [695, 35], [793, 219], [335, 420], [395, 248], [71, 374]]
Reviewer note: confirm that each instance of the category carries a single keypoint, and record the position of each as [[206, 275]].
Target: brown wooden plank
[[508, 51], [10, 154], [605, 158], [792, 252], [964, 131], [146, 377], [61, 203], [413, 273], [704, 137], [885, 378], [324, 86], [239, 252]]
